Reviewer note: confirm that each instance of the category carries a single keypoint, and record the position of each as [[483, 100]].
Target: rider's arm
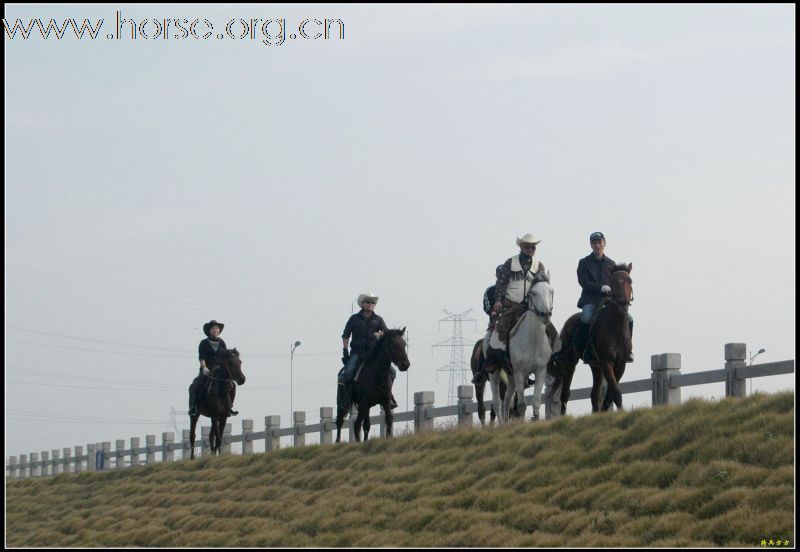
[[585, 279], [503, 276]]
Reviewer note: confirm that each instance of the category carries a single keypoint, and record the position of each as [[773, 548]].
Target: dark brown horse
[[216, 398], [476, 361], [610, 342], [374, 385]]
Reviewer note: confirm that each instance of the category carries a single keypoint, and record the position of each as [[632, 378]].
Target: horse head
[[396, 348], [622, 285], [540, 297], [233, 364]]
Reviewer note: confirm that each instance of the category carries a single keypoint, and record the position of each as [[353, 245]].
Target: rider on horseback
[[366, 327], [208, 351], [594, 276], [515, 278]]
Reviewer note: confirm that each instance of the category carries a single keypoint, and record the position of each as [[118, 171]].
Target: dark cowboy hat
[[207, 326]]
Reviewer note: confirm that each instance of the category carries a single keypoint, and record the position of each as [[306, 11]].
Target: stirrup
[[193, 411]]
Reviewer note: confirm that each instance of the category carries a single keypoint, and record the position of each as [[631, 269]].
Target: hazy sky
[[152, 185]]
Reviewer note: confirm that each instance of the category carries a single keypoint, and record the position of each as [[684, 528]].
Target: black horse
[[374, 385], [216, 400]]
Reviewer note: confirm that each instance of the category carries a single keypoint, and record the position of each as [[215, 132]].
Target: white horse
[[530, 351]]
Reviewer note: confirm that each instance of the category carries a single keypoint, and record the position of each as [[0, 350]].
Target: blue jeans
[[349, 371], [588, 310]]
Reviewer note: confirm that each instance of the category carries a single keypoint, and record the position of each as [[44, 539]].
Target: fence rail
[[665, 384]]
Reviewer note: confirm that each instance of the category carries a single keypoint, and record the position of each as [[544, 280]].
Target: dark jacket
[[206, 352], [362, 329], [592, 275]]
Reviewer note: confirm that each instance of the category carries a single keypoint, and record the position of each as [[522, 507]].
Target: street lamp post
[[752, 356], [291, 378]]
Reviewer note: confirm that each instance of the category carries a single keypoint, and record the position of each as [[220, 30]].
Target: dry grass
[[702, 474]]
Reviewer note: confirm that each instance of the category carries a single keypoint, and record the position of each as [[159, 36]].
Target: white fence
[[665, 384]]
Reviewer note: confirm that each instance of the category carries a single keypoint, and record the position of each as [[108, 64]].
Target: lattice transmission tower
[[458, 366]]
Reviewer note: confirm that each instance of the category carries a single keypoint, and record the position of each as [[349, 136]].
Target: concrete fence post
[[186, 451], [326, 425], [663, 367], [34, 460], [78, 462], [68, 465], [464, 400], [150, 449], [247, 443], [382, 422], [119, 459], [23, 468], [272, 440], [12, 467], [46, 467], [422, 400], [167, 440], [735, 355], [106, 446], [91, 457], [226, 436], [205, 443], [299, 428], [134, 451], [58, 467]]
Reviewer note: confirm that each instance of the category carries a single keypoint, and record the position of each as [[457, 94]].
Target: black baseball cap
[[597, 236]]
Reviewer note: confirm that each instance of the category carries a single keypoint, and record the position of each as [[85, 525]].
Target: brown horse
[[374, 385], [610, 342], [476, 361], [215, 401]]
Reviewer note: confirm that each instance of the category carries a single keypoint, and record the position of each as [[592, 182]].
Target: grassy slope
[[701, 474]]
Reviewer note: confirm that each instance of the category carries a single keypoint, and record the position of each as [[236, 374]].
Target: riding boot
[[581, 341], [480, 374]]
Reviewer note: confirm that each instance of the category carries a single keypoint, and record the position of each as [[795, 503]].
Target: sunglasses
[[528, 246], [368, 302]]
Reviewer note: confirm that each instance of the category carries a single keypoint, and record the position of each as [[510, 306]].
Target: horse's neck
[[377, 364], [530, 329]]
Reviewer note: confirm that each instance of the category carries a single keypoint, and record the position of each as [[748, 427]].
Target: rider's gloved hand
[[206, 371], [605, 289]]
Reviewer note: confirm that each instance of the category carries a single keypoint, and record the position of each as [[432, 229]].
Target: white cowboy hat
[[528, 238], [364, 296]]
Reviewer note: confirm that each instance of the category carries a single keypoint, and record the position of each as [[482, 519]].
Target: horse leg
[[479, 397], [494, 379], [597, 380], [357, 425], [505, 414], [223, 421], [520, 406], [192, 434], [340, 414], [387, 412], [612, 390], [541, 373], [565, 390], [366, 424]]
